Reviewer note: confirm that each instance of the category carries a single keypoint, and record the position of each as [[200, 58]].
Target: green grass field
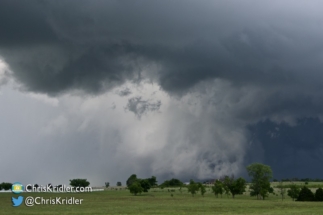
[[159, 201], [311, 185]]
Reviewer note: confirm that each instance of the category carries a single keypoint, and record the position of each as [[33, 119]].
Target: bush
[[172, 183], [145, 184], [135, 188], [79, 182], [6, 185], [107, 184], [319, 194], [119, 184], [305, 195]]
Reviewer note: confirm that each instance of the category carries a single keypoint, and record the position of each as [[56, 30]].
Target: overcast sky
[[186, 89]]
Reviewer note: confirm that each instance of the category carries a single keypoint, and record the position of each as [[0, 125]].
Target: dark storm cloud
[[24, 24], [265, 58], [54, 69], [139, 106], [99, 45], [292, 151]]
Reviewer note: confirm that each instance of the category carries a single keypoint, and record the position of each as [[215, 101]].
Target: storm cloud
[[206, 78], [99, 45]]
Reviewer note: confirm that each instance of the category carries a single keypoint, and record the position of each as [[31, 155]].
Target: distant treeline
[[300, 179]]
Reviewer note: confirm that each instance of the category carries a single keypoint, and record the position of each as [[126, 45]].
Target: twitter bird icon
[[17, 201]]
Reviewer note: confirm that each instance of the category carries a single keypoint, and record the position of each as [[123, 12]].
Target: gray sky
[[186, 89]]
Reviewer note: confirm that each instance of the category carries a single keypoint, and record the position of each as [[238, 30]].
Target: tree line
[[299, 179], [305, 194], [260, 185]]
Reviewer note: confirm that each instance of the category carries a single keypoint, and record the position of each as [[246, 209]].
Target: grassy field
[[311, 185], [159, 201]]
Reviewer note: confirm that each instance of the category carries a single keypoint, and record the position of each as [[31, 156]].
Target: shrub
[[6, 185], [135, 188], [79, 182], [305, 195], [319, 194], [172, 183]]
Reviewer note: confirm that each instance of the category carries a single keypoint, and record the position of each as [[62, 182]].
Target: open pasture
[[162, 201]]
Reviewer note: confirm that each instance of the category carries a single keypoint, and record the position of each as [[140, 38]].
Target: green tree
[[144, 183], [202, 189], [131, 180], [238, 186], [226, 190], [192, 187], [107, 184], [226, 183], [233, 186], [260, 183], [217, 188], [79, 182], [152, 181], [305, 194], [319, 194], [135, 188], [293, 192], [172, 183], [119, 184]]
